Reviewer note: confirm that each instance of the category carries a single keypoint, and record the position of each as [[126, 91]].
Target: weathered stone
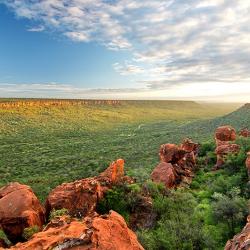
[[164, 173], [245, 132], [108, 232], [240, 241], [19, 209]]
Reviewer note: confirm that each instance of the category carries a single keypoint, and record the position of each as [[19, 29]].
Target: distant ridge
[[29, 102], [239, 119]]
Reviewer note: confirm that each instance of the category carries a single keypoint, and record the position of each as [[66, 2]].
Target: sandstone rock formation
[[164, 173], [245, 132], [225, 134], [81, 197], [114, 174], [240, 241], [177, 164], [19, 209], [107, 232], [171, 153], [224, 137]]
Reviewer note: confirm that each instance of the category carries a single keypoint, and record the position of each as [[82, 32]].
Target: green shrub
[[206, 148], [4, 238], [29, 231], [56, 213], [115, 199], [230, 209]]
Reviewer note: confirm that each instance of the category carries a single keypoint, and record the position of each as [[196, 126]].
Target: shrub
[[56, 213], [4, 238], [206, 148], [230, 209], [115, 200], [29, 231]]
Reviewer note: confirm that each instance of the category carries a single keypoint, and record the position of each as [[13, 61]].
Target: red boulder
[[164, 173], [79, 197], [19, 209], [109, 232], [189, 146], [245, 132], [171, 153], [225, 133]]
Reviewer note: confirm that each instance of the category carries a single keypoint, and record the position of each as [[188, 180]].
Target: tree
[[229, 209]]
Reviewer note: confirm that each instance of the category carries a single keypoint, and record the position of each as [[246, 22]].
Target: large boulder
[[225, 133], [177, 164], [164, 173], [171, 153], [240, 241], [107, 232], [81, 197], [224, 137], [19, 209], [245, 132]]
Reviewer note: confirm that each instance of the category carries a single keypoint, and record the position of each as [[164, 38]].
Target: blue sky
[[161, 49]]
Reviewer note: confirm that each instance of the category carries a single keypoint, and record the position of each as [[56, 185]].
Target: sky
[[126, 49]]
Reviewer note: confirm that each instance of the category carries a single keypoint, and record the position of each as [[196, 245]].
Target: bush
[[230, 209], [206, 148], [115, 200], [178, 225], [29, 231], [4, 238], [56, 213]]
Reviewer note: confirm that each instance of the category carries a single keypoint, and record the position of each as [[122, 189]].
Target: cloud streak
[[171, 41]]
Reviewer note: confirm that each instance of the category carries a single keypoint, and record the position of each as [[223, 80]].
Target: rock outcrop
[[224, 137], [107, 232], [225, 134], [240, 241], [81, 197], [177, 164], [171, 153], [164, 173], [245, 132], [19, 209]]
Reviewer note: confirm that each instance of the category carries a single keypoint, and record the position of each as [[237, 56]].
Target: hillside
[[45, 146], [204, 129]]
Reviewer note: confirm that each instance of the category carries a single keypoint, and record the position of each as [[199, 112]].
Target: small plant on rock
[[29, 231], [56, 213]]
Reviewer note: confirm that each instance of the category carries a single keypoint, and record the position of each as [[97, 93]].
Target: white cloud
[[128, 69], [36, 29], [172, 42]]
